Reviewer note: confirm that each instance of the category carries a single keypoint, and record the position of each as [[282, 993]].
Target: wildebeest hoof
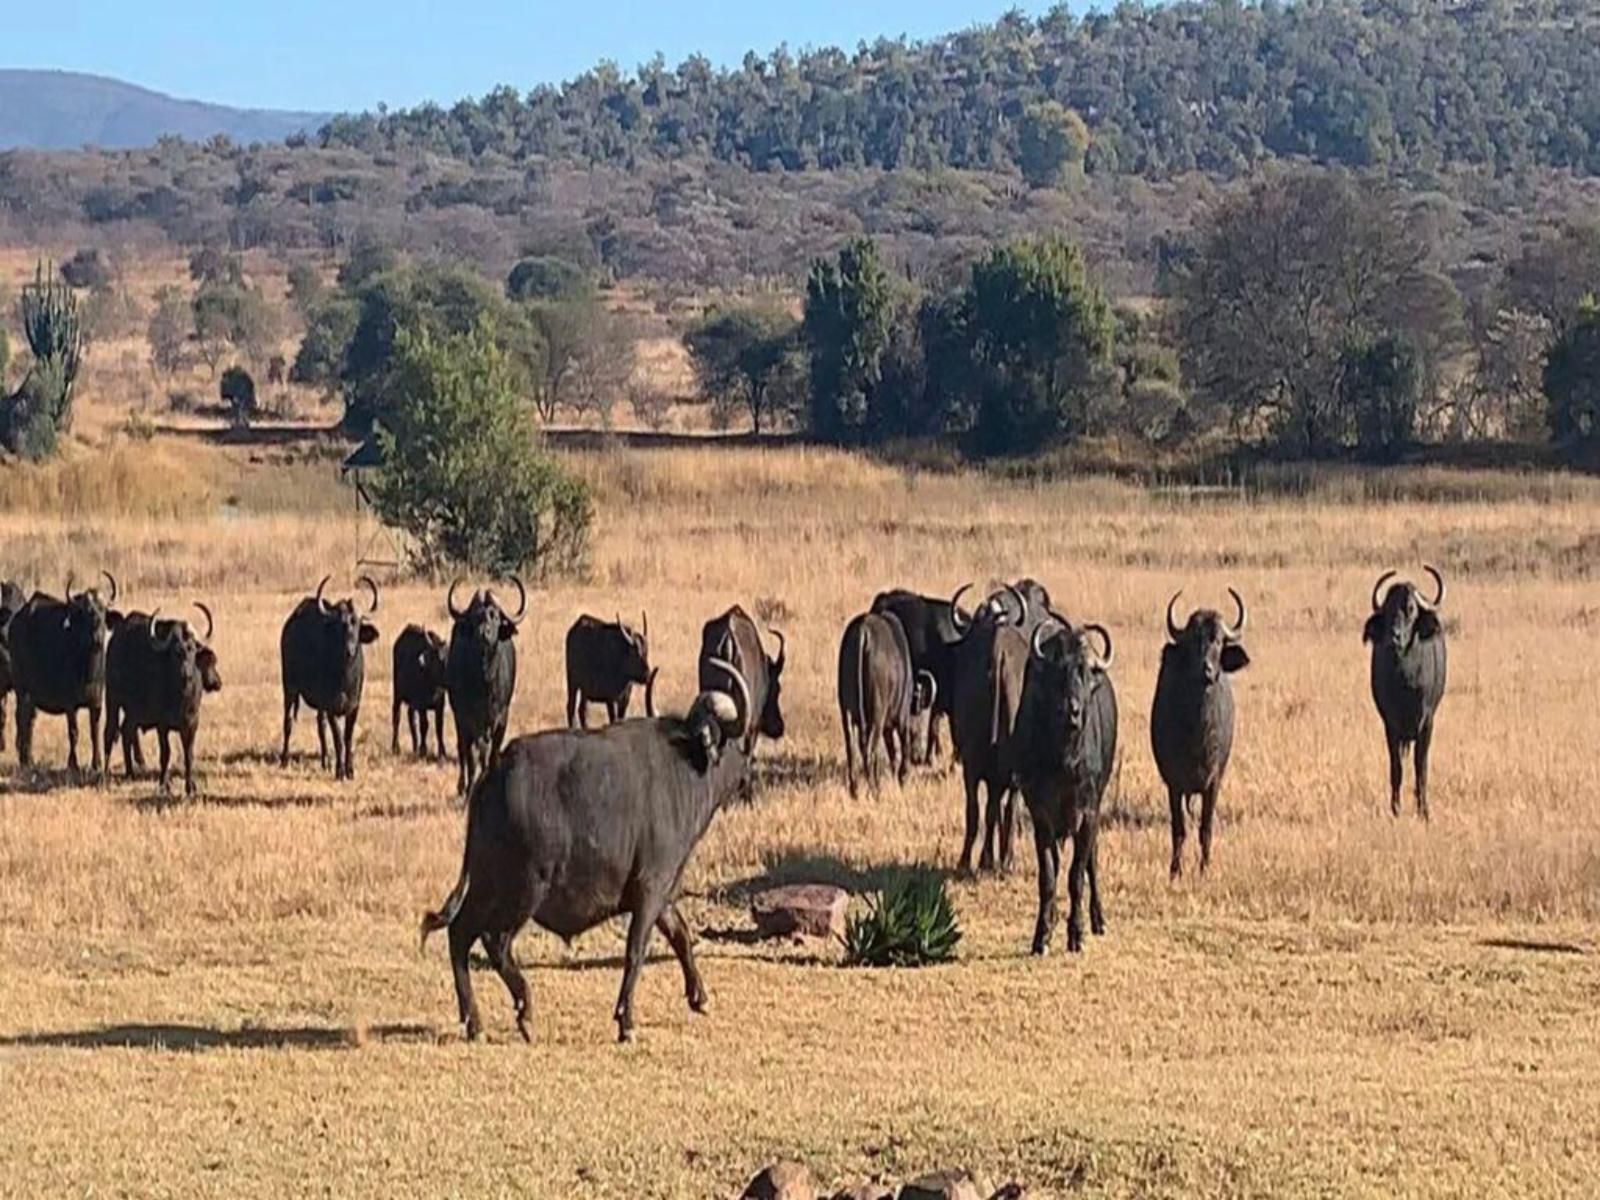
[[1098, 927], [1074, 941], [624, 1034], [699, 1003], [525, 1030]]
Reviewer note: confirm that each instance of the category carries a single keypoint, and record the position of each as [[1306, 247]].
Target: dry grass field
[[226, 998]]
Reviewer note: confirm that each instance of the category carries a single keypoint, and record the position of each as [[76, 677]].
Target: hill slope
[[63, 110]]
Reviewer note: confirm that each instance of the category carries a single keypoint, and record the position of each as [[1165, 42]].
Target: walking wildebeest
[[419, 659], [11, 601], [157, 672], [1191, 718], [1408, 674], [733, 638], [1063, 747], [990, 663], [324, 664], [934, 636], [573, 827], [481, 677], [879, 693], [58, 665], [604, 663]]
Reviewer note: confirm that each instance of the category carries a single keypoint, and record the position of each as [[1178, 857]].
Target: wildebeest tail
[[451, 908], [861, 690]]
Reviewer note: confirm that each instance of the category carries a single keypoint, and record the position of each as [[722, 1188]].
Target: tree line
[[1160, 89]]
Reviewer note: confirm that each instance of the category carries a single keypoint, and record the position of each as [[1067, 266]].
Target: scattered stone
[[813, 909], [781, 1181], [943, 1185], [865, 1191]]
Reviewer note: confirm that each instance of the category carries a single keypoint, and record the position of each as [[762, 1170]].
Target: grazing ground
[[226, 998]]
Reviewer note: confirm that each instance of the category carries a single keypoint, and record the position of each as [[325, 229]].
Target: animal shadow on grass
[[1535, 947], [39, 781], [190, 1039], [156, 802], [789, 769]]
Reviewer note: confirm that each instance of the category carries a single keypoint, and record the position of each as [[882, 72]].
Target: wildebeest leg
[[165, 740], [1208, 812], [2, 722], [25, 715], [291, 705], [1175, 800], [970, 781], [329, 726], [498, 947], [676, 930], [870, 756], [849, 750], [573, 703], [99, 763], [394, 727], [1049, 854], [349, 742], [623, 701], [900, 750], [463, 761], [933, 739], [1419, 765], [611, 712], [322, 738], [994, 797], [1008, 830], [72, 742], [1396, 771], [186, 740], [1097, 916], [639, 926], [466, 1004], [419, 731], [1082, 847], [138, 749], [438, 731]]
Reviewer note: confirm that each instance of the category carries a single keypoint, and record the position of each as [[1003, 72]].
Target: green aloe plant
[[909, 923]]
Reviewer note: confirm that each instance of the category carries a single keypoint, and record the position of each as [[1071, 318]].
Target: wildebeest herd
[[570, 827]]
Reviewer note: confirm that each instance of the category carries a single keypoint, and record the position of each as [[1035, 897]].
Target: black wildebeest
[[1191, 718], [481, 677], [1062, 750], [573, 827], [879, 693], [1408, 674], [933, 632], [324, 664], [604, 663], [11, 601], [157, 672], [733, 638], [58, 665], [990, 663], [419, 658]]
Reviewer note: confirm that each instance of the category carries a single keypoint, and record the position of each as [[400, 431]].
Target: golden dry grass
[[225, 998]]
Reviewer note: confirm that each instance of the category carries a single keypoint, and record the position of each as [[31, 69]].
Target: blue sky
[[350, 54]]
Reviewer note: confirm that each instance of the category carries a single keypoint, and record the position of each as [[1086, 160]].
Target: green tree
[[5, 359], [231, 316], [213, 265], [1051, 141], [464, 471], [849, 312], [168, 330], [307, 290], [585, 356], [1380, 383], [544, 277], [746, 357], [1572, 379], [320, 360], [1040, 336], [1552, 274]]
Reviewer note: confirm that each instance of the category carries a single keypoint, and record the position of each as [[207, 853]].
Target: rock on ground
[[944, 1185], [814, 909], [781, 1181]]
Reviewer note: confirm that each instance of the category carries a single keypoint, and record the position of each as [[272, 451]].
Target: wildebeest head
[[1206, 647], [175, 641], [636, 649], [1403, 615], [85, 615], [483, 623], [716, 718], [1006, 604], [1036, 594], [1065, 669], [348, 627], [771, 723]]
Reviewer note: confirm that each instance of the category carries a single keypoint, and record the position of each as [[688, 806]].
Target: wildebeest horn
[[650, 693], [321, 603], [450, 599], [162, 643], [783, 650], [933, 686], [211, 624], [1037, 646], [1438, 582], [1378, 587], [1238, 626], [746, 717], [645, 627], [522, 599], [67, 595], [955, 608], [1106, 658], [112, 580], [1173, 631], [373, 588]]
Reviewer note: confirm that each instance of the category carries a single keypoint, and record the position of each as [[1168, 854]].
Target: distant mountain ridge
[[65, 110]]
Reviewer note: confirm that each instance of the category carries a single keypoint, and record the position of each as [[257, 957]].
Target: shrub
[[1572, 379], [464, 471], [546, 278], [910, 923], [88, 269], [168, 330]]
